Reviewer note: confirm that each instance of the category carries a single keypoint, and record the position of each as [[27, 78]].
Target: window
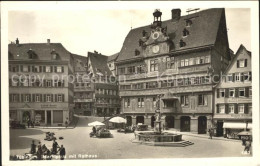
[[59, 98], [247, 76], [48, 98], [231, 92], [191, 61], [59, 69], [138, 86], [36, 69], [40, 115], [186, 81], [241, 63], [182, 63], [186, 62], [185, 100], [48, 69], [168, 63], [154, 102], [154, 65], [221, 92], [121, 70], [25, 68], [151, 85], [131, 69], [237, 77], [127, 102], [140, 69], [37, 98], [222, 109], [48, 83], [185, 32], [140, 102], [231, 109], [14, 97], [230, 78], [202, 100], [201, 60], [197, 60], [25, 82], [182, 43], [27, 98], [57, 116], [188, 23], [241, 108], [250, 108], [250, 92], [241, 92], [207, 59]]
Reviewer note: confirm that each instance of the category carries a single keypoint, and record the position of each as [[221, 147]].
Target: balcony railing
[[83, 100]]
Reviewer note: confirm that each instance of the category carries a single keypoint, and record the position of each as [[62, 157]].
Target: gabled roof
[[99, 63], [43, 51], [80, 62], [112, 57], [241, 48], [203, 32]]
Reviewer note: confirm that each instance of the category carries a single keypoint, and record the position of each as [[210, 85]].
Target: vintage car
[[16, 125]]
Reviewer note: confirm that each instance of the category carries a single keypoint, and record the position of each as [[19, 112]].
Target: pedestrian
[[33, 147], [247, 146], [39, 152], [94, 130], [28, 122], [62, 152], [66, 123], [54, 147], [210, 133]]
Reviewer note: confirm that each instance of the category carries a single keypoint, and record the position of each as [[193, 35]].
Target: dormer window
[[137, 52], [141, 42], [185, 32], [31, 54], [182, 43], [188, 23], [54, 54]]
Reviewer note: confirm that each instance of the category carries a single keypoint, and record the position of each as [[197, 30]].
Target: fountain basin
[[157, 137]]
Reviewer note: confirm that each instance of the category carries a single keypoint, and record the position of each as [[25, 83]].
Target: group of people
[[30, 123], [43, 150]]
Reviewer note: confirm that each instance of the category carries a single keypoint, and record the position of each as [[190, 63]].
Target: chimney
[[17, 41], [176, 14], [48, 41]]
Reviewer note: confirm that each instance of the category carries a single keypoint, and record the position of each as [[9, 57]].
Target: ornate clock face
[[155, 35], [156, 49]]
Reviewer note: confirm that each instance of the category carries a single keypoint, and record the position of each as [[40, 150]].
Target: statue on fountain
[[157, 122]]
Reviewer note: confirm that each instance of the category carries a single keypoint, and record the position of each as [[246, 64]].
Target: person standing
[[210, 133], [62, 152], [54, 147], [33, 147], [247, 146], [28, 122], [39, 152]]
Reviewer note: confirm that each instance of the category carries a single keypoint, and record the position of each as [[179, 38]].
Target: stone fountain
[[157, 137]]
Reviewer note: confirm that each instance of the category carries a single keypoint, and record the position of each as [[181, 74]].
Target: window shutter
[[22, 97], [51, 69], [246, 108], [44, 83], [52, 99], [21, 68], [217, 108], [247, 92], [40, 69], [62, 83], [226, 108], [226, 92], [217, 93], [55, 69], [233, 77], [63, 98], [33, 97], [44, 98], [56, 97], [40, 96], [245, 62], [44, 68], [51, 83], [250, 76], [236, 92], [237, 63], [242, 77], [236, 108], [30, 97], [29, 68], [62, 69], [32, 68]]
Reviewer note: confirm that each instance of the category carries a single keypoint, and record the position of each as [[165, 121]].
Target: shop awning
[[234, 125]]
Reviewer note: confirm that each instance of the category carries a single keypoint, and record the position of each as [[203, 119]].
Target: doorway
[[140, 119], [185, 123], [169, 121], [152, 121], [219, 129], [48, 117], [202, 125]]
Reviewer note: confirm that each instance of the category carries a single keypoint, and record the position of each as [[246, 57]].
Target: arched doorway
[[140, 119], [152, 121], [185, 123], [202, 125], [128, 120], [26, 116], [169, 121]]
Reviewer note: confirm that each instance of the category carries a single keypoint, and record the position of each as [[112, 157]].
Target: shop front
[[231, 129]]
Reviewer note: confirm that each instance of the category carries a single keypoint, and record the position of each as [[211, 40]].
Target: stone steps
[[172, 144]]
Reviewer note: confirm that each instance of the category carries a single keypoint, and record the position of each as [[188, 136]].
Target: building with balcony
[[175, 59], [83, 87], [233, 96], [106, 97], [39, 89]]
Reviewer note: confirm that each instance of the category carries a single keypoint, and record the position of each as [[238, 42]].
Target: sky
[[105, 30]]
